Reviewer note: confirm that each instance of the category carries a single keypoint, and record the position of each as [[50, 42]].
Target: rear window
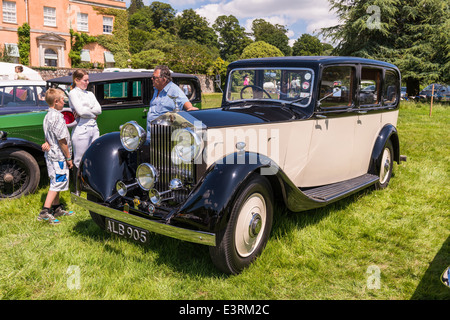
[[391, 85]]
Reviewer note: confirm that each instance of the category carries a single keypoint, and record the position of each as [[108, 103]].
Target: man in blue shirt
[[164, 95]]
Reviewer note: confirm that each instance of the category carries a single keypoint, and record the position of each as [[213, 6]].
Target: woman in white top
[[86, 108]]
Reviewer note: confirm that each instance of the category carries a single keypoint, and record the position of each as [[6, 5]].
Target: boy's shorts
[[58, 172]]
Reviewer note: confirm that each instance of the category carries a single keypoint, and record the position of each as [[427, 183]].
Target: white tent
[[7, 72]]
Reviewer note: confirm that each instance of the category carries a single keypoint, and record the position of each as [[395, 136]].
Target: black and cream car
[[302, 133]]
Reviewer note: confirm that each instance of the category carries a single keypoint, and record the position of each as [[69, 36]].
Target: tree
[[141, 19], [412, 34], [138, 39], [147, 59], [307, 45], [232, 37], [271, 34], [190, 25], [135, 5], [163, 16], [261, 49], [190, 57]]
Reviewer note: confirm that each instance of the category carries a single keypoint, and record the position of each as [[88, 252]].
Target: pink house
[[50, 22]]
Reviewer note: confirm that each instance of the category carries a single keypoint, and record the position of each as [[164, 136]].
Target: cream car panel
[[260, 139], [329, 159]]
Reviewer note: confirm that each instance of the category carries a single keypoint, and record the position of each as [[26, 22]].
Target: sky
[[298, 16]]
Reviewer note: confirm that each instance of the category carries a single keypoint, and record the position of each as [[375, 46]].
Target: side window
[[337, 87], [41, 96], [390, 87], [370, 87], [2, 94], [126, 92], [19, 96]]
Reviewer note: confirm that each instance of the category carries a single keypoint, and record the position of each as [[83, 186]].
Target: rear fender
[[388, 132]]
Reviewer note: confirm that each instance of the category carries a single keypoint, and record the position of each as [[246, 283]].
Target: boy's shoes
[[59, 211], [45, 215]]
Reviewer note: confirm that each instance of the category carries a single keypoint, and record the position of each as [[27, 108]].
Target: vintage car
[[213, 176], [123, 96]]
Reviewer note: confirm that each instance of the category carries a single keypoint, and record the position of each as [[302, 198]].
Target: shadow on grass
[[181, 256], [194, 259], [431, 287], [285, 220]]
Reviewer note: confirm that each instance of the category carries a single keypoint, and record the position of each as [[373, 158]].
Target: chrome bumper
[[150, 225]]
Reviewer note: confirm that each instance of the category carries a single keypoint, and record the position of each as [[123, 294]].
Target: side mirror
[[337, 92]]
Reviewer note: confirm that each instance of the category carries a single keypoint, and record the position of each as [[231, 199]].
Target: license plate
[[127, 231]]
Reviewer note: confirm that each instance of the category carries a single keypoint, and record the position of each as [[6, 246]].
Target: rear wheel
[[19, 173], [386, 166], [249, 227]]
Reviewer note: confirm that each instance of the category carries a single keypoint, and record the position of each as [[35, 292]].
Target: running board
[[335, 191]]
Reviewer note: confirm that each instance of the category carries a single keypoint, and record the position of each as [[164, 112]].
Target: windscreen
[[284, 85]]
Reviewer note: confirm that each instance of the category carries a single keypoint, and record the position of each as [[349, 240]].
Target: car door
[[332, 139]]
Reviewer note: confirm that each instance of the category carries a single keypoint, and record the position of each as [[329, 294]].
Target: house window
[[107, 25], [9, 12], [82, 22], [12, 52], [49, 16], [51, 58]]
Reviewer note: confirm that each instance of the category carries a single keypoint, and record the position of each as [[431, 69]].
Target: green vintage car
[[124, 96]]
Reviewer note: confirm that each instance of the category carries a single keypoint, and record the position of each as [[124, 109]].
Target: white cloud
[[311, 14], [314, 14]]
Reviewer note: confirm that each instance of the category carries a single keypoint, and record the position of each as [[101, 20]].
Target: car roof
[[115, 76], [7, 71], [306, 60], [9, 83]]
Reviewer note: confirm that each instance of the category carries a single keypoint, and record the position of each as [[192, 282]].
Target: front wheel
[[249, 227]]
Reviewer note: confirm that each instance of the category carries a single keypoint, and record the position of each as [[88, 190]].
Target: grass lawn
[[388, 244]]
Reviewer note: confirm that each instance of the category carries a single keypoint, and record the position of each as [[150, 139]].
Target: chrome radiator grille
[[161, 146]]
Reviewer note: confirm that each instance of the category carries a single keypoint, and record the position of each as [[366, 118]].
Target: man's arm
[[189, 107]]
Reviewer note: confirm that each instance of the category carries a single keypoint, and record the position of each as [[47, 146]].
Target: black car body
[[303, 132]]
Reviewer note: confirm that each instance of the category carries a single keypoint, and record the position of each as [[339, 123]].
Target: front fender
[[103, 164], [210, 202], [209, 205]]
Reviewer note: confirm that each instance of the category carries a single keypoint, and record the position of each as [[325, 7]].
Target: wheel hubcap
[[385, 165], [8, 178], [250, 223], [255, 225]]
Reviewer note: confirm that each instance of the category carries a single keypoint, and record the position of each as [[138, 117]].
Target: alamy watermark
[[374, 277], [74, 277], [374, 21]]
